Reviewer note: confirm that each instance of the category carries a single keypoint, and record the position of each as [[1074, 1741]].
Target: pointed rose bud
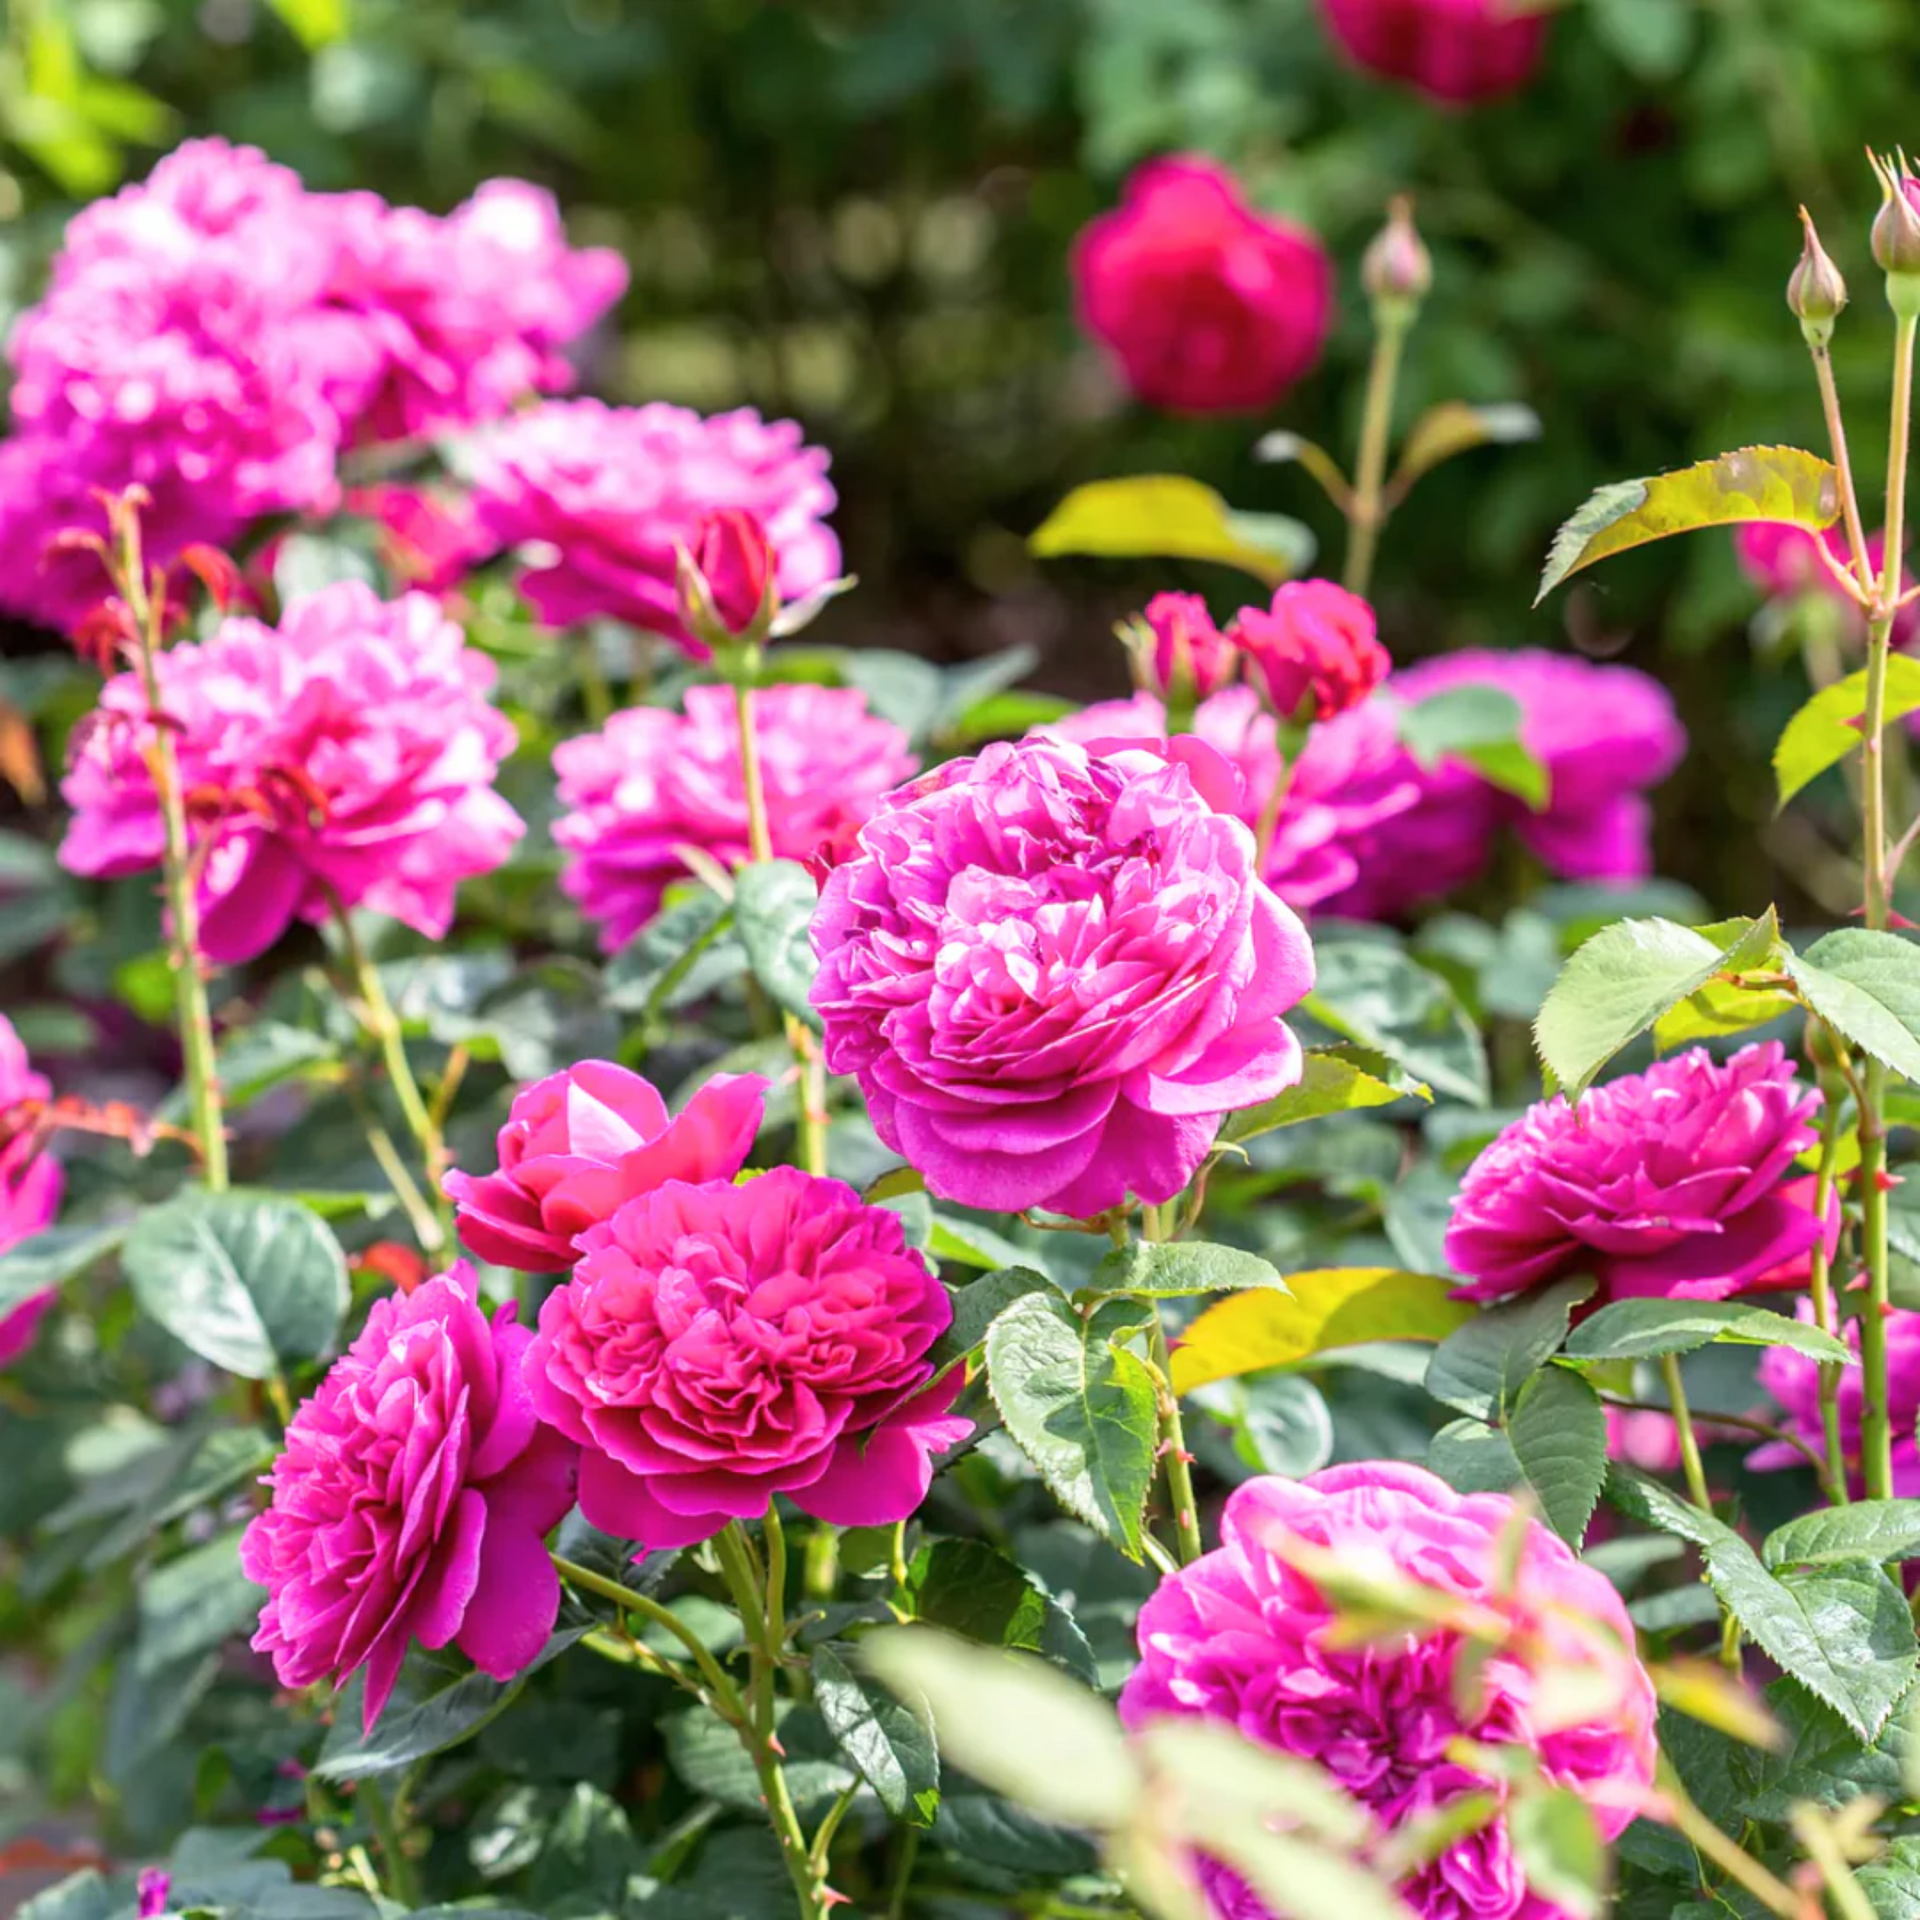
[[153, 1891], [1396, 270], [736, 563], [1896, 235], [1815, 290], [1178, 652]]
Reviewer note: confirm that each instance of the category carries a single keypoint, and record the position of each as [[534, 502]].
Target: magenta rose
[[1670, 1183], [721, 1344], [1188, 652], [413, 1501], [579, 1143], [1453, 51], [653, 783], [1205, 305], [1054, 969], [1793, 1379], [1313, 648], [347, 754], [1244, 1638], [30, 1184]]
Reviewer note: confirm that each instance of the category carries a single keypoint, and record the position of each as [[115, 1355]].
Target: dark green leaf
[[246, 1280], [1480, 1369], [1472, 1457], [1080, 1407], [1559, 1433], [50, 1259], [974, 1590], [646, 975], [1872, 1530], [1368, 991], [1642, 1329], [707, 1755], [773, 902], [888, 1744], [194, 1602], [976, 1307]]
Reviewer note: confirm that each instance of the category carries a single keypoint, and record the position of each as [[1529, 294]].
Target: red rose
[[1316, 640], [735, 559], [1207, 306], [1457, 51]]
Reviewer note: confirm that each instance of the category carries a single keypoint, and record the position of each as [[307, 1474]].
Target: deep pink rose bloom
[[152, 1890], [734, 559], [719, 1344], [466, 314], [1605, 734], [1054, 971], [1316, 643], [1242, 1637], [430, 537], [30, 1184], [1781, 558], [1666, 1183], [1187, 646], [1205, 305], [350, 749], [413, 1501], [1454, 51], [577, 1144], [1351, 778], [1793, 1379], [652, 782], [602, 496]]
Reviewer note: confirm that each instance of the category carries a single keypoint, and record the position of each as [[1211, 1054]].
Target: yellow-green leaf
[[1754, 483], [1827, 728], [1334, 1080], [1719, 1009], [315, 23], [1319, 1311], [1167, 516], [1454, 427]]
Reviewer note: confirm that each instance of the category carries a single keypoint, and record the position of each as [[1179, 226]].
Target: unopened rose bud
[[1396, 270], [1181, 655], [736, 565], [1815, 290], [1896, 237]]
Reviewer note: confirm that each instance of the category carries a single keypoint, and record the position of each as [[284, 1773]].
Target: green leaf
[[1827, 728], [1480, 725], [886, 1742], [1719, 1010], [773, 902], [194, 1602], [1559, 1433], [979, 1304], [1754, 483], [1619, 982], [1166, 516], [1480, 1370], [1315, 1313], [1841, 1631], [1368, 991], [1080, 1407], [707, 1755], [1015, 1723], [647, 975], [246, 1280], [1332, 1080], [1866, 985], [1454, 427], [968, 1244], [1554, 1835], [262, 1057], [1472, 1457], [1872, 1530], [315, 23], [1644, 1329], [51, 1258], [1176, 1268], [1892, 1882], [971, 1589]]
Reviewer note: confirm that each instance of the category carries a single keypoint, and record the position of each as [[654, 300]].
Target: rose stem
[[1391, 323], [1820, 1284], [147, 610], [1173, 1439]]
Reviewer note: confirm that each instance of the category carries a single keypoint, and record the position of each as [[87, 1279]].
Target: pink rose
[[1245, 1638], [579, 1143], [1054, 970], [735, 562], [1793, 1379], [1189, 652], [1205, 305], [30, 1184], [1316, 642], [1670, 1183], [349, 752], [1454, 51], [720, 1344], [413, 1501], [430, 537]]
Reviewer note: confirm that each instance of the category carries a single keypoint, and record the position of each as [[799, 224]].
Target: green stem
[[1683, 1425], [909, 1852], [1820, 1285], [760, 1616], [1842, 466], [194, 1015], [384, 1817], [1173, 1439], [726, 1696], [1370, 470]]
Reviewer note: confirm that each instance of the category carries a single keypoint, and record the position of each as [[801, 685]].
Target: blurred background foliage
[[860, 212]]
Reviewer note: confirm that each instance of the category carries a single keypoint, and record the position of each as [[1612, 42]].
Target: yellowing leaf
[[1328, 1308], [1454, 427], [1703, 1690], [1167, 516], [1754, 483], [1827, 728]]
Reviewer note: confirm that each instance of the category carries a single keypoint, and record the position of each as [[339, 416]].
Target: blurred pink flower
[[1187, 647], [1244, 1638], [1781, 558], [1054, 971], [1205, 305], [349, 752], [30, 1185], [431, 538], [1669, 1183], [602, 496], [1316, 643], [719, 1344], [579, 1143], [1454, 51], [412, 1502], [1793, 1379], [652, 782]]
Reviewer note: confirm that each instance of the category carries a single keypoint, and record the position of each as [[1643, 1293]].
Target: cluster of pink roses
[[220, 335], [720, 1339]]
